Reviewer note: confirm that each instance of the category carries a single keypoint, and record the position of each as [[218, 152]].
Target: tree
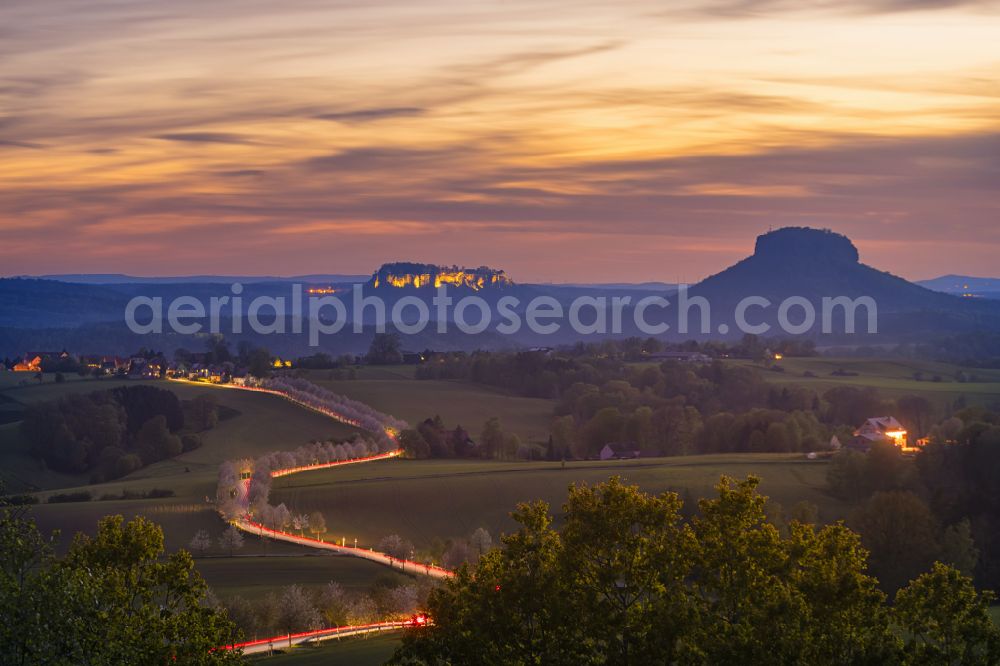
[[946, 620], [605, 427], [334, 605], [231, 540], [296, 612], [395, 546], [156, 441], [282, 517], [916, 412], [958, 547], [259, 363], [455, 554], [200, 542], [562, 431], [317, 524], [218, 349], [481, 541], [114, 598], [413, 442], [385, 349], [300, 521], [244, 613], [901, 533], [492, 438], [511, 446], [362, 610], [203, 411]]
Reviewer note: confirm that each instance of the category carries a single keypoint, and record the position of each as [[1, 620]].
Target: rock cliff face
[[404, 274], [805, 245]]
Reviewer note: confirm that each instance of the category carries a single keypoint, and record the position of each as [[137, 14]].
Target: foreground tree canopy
[[627, 581], [112, 599]]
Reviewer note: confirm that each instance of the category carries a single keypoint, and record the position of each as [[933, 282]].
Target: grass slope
[[421, 500], [263, 424], [254, 576], [356, 651], [891, 377], [393, 390]]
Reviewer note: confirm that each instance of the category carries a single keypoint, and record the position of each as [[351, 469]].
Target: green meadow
[[426, 499], [394, 390], [354, 651], [254, 576], [254, 424], [891, 377]]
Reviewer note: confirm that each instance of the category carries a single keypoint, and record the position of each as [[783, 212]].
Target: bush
[[18, 500], [127, 464], [62, 498], [190, 442], [159, 492]]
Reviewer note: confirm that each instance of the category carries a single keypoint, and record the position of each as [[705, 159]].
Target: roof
[[884, 423], [876, 427]]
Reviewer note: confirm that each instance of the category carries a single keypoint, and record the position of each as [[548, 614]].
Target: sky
[[558, 140]]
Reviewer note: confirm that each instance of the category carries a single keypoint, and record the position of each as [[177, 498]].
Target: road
[[266, 645], [247, 524]]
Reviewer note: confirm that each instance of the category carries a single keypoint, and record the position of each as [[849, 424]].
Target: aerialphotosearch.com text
[[655, 314]]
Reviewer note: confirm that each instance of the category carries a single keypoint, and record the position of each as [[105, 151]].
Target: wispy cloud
[[21, 144], [204, 137], [371, 114]]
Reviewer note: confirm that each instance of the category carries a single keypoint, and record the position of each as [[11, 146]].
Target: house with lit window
[[29, 364], [33, 360], [880, 429]]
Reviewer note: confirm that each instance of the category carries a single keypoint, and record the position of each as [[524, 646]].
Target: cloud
[[737, 9], [370, 114], [205, 137], [21, 144]]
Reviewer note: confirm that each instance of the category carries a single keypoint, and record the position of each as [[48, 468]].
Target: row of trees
[[626, 580], [341, 407], [294, 608], [229, 541], [114, 432], [433, 439], [261, 469]]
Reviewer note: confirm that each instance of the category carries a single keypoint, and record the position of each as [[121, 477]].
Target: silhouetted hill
[[964, 285], [813, 263], [34, 303]]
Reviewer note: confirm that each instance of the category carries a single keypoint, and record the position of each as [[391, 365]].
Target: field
[[254, 576], [891, 377], [422, 500], [394, 390], [262, 424], [357, 651]]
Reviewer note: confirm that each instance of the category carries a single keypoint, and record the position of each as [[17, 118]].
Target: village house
[[877, 429], [619, 451], [29, 364], [106, 365], [33, 360]]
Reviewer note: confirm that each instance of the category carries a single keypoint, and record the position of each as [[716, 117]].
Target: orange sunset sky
[[561, 141]]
